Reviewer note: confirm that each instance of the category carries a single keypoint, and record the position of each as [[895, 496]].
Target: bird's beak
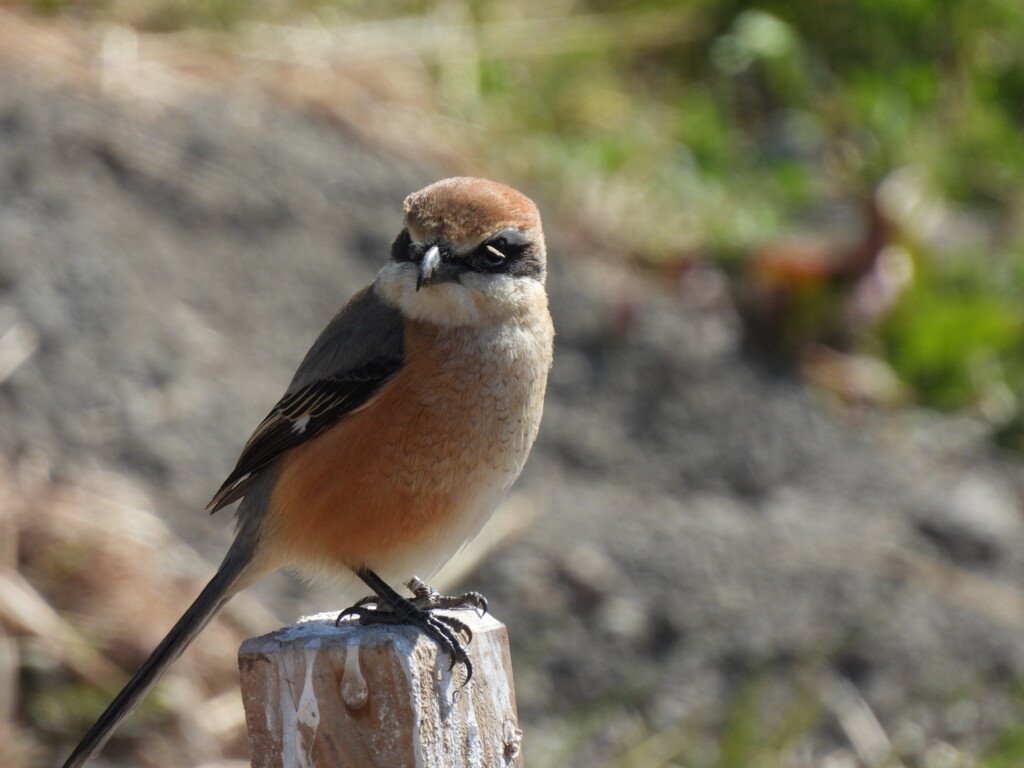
[[429, 265]]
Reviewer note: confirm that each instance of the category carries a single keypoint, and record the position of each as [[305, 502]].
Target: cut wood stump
[[320, 696]]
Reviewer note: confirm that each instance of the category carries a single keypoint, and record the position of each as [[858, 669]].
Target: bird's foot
[[388, 607], [428, 598]]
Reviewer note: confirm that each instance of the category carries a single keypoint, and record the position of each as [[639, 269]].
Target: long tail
[[220, 589]]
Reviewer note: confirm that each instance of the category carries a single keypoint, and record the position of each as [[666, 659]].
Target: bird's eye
[[490, 255], [499, 242]]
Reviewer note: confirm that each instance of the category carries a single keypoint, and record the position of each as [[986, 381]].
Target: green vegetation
[[712, 127], [775, 720]]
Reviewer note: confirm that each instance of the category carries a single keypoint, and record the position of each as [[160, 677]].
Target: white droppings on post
[[354, 691], [411, 662], [300, 718], [286, 723], [317, 695], [307, 717], [512, 739]]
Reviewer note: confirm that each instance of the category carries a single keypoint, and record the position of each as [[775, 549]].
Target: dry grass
[[90, 580]]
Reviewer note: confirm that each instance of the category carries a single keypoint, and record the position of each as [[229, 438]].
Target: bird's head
[[471, 253]]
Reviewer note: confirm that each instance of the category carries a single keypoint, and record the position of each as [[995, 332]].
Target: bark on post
[[320, 696]]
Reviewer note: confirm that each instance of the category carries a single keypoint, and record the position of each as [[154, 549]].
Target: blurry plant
[[956, 339], [764, 724], [1008, 753]]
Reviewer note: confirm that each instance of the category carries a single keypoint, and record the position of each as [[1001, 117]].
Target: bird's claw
[[426, 597], [419, 611]]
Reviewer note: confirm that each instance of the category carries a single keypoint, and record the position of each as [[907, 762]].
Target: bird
[[405, 424]]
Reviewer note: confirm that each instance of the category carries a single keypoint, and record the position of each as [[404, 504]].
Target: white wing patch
[[300, 425]]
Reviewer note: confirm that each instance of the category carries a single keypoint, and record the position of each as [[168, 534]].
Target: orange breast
[[405, 471]]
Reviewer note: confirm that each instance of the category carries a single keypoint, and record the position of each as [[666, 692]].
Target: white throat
[[474, 300]]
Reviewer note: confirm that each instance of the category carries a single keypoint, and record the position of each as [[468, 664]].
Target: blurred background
[[774, 517]]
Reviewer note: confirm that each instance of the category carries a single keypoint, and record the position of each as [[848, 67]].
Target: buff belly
[[401, 485]]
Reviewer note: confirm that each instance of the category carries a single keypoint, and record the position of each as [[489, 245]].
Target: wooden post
[[320, 696]]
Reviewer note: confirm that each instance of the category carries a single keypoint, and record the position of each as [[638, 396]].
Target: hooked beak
[[428, 266]]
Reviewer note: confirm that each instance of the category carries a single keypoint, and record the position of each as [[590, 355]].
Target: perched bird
[[408, 420]]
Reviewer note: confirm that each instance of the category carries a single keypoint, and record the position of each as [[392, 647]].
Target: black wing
[[301, 415]]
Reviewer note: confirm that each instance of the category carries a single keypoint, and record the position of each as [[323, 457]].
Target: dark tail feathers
[[210, 600]]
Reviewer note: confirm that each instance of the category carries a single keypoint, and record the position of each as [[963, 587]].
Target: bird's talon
[[458, 626], [419, 611], [354, 610]]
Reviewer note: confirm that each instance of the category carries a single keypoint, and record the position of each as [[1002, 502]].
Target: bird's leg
[[392, 608]]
